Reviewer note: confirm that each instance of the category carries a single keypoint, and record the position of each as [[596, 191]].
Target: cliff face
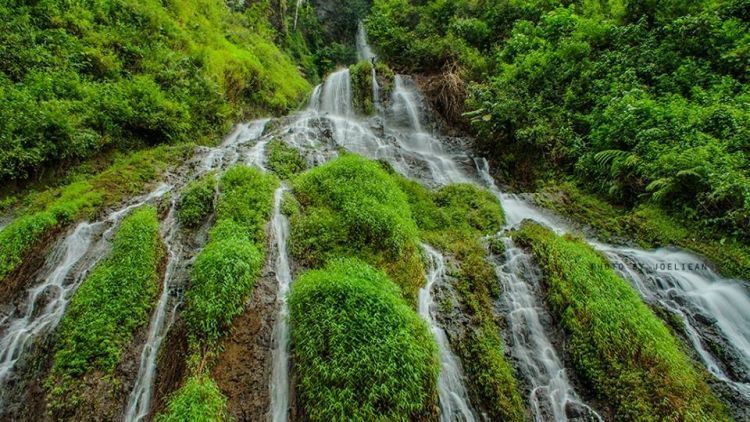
[[339, 21]]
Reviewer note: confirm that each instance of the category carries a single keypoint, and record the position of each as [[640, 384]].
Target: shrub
[[226, 269], [198, 400], [360, 351], [351, 206], [196, 201], [361, 75], [615, 341], [284, 160], [113, 301]]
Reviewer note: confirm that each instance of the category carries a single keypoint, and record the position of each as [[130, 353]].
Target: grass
[[41, 214], [284, 160], [197, 201], [198, 400], [615, 341], [649, 226], [352, 207], [113, 301], [361, 352], [453, 219], [226, 269]]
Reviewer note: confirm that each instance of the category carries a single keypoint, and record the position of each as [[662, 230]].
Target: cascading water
[[552, 397], [364, 53], [280, 354], [683, 284], [164, 315], [296, 12], [139, 402], [336, 97], [680, 282], [454, 399], [66, 268]]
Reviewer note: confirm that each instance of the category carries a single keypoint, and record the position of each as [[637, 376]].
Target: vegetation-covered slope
[[361, 353], [615, 341], [113, 301], [83, 76], [639, 101]]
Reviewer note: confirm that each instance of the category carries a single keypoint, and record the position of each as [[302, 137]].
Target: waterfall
[[139, 401], [296, 13], [280, 354], [164, 315], [552, 394], [336, 96], [688, 288], [452, 394], [364, 52], [65, 270], [405, 104]]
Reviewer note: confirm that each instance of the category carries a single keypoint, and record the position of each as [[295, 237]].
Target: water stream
[[65, 269], [454, 399], [165, 312], [280, 354]]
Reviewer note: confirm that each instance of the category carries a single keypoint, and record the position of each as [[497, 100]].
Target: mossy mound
[[352, 207], [360, 351]]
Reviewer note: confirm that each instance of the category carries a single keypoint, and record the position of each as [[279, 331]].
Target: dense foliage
[[284, 160], [360, 351], [198, 400], [352, 207], [361, 74], [112, 302], [197, 200], [641, 101], [78, 77], [615, 341], [225, 271]]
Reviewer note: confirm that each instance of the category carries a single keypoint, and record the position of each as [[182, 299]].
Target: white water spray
[[67, 267], [280, 354], [454, 399]]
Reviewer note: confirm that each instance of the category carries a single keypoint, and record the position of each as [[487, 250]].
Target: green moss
[[360, 351], [361, 76], [54, 208], [284, 160], [197, 200], [113, 301], [198, 400], [226, 269], [352, 207], [648, 225], [615, 341]]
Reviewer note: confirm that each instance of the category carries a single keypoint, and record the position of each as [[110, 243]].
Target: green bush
[[615, 341], [352, 207], [226, 269], [198, 400], [196, 201], [284, 160], [361, 75], [113, 301], [360, 351]]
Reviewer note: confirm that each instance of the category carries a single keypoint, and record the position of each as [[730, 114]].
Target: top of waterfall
[[364, 52]]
